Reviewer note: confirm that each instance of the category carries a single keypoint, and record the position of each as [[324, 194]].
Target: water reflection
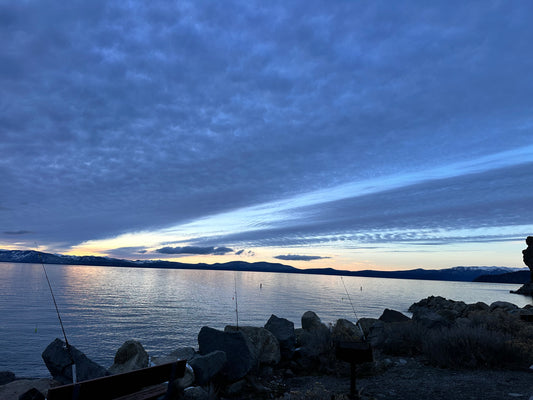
[[102, 307]]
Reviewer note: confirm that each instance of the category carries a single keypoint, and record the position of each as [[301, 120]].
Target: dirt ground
[[405, 378]]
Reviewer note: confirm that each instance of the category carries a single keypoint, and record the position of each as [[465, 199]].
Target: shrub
[[469, 347]]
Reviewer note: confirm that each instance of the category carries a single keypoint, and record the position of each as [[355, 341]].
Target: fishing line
[[236, 303], [60, 321], [353, 308]]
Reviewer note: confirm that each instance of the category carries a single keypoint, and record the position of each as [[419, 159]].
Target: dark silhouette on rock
[[283, 330], [129, 357], [234, 344], [58, 361], [527, 256]]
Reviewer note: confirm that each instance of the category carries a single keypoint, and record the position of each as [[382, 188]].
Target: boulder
[[367, 324], [393, 316], [475, 308], [504, 306], [234, 344], [346, 331], [183, 353], [437, 304], [283, 330], [186, 380], [6, 377], [15, 389], [59, 363], [129, 357], [195, 393], [207, 366], [315, 342], [430, 319], [311, 321], [526, 289], [263, 344], [32, 394]]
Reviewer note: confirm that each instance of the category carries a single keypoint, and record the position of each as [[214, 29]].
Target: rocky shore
[[446, 350]]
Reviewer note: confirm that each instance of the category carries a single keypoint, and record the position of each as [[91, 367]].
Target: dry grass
[[485, 340]]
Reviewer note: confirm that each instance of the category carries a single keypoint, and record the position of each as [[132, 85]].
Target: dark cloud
[[294, 257], [129, 252], [20, 232], [122, 117], [195, 250]]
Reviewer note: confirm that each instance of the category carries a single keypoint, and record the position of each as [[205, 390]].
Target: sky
[[346, 134]]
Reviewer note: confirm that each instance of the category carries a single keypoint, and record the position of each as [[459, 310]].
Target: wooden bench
[[142, 384]]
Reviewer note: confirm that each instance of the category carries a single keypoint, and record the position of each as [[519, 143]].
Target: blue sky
[[349, 134]]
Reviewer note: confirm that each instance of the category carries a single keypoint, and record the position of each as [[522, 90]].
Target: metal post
[[353, 392]]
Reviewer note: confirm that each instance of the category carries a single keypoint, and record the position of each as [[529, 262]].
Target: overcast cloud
[[310, 123]]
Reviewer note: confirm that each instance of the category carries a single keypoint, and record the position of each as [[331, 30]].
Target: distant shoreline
[[456, 274]]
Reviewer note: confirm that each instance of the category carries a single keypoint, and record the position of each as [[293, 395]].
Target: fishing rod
[[353, 309], [236, 303], [60, 321]]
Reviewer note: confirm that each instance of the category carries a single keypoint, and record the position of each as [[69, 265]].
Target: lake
[[102, 307]]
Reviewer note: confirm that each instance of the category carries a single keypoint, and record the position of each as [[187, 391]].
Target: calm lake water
[[102, 307]]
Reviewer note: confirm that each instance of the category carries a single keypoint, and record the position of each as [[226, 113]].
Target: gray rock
[[129, 357], [283, 330], [15, 389], [208, 366], [311, 321], [234, 344], [183, 353], [430, 319], [504, 306], [474, 308], [526, 289], [263, 344], [393, 316], [236, 388], [58, 361], [376, 334], [315, 343], [6, 377], [346, 331], [186, 380], [32, 394], [195, 393], [367, 324]]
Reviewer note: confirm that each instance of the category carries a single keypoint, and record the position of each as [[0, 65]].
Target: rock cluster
[[234, 362]]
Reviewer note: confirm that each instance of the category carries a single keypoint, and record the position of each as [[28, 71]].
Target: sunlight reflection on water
[[102, 307]]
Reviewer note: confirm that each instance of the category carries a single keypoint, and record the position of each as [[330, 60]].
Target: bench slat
[[114, 386]]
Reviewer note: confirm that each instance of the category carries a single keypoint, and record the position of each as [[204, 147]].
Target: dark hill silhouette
[[465, 274]]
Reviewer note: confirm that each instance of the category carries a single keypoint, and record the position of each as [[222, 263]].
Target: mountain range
[[461, 273]]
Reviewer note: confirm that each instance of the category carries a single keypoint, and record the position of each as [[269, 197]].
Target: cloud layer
[[364, 119]]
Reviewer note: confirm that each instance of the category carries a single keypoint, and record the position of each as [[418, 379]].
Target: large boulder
[[32, 394], [262, 342], [15, 389], [430, 319], [6, 377], [526, 289], [234, 344], [283, 330], [504, 306], [346, 331], [186, 380], [393, 316], [315, 343], [129, 357], [207, 366], [59, 363]]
